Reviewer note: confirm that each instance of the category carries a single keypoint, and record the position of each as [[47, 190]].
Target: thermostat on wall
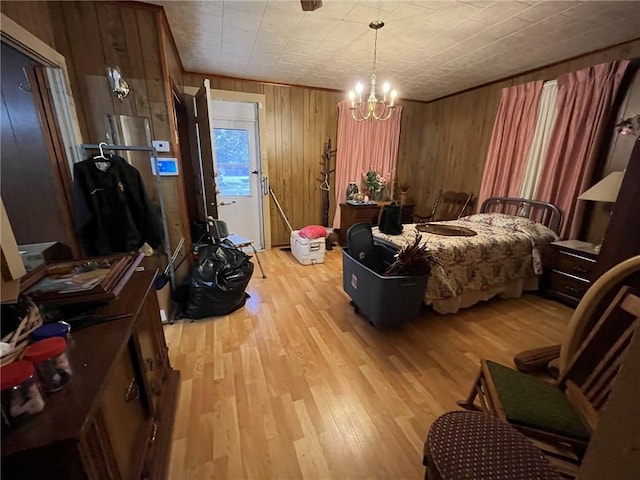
[[167, 166]]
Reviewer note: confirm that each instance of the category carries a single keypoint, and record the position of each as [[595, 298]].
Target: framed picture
[[79, 281]]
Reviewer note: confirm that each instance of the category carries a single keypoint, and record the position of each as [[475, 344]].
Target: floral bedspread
[[506, 248]]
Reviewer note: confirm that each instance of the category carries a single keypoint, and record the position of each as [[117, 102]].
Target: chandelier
[[373, 108]]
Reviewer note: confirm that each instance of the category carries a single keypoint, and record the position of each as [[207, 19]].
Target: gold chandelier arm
[[358, 114], [386, 112]]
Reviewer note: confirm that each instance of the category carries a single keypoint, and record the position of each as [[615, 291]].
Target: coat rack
[[154, 157], [324, 180]]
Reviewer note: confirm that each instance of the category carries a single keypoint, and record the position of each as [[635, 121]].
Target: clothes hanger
[[102, 155], [102, 161]]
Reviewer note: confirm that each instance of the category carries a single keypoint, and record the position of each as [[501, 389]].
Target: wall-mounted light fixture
[[118, 84]]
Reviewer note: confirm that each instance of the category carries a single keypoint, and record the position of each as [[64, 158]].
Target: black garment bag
[[390, 219]]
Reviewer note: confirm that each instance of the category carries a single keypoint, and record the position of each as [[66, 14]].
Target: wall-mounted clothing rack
[[163, 213]]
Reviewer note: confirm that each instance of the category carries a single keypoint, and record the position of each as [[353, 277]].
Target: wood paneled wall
[[443, 144], [32, 16], [95, 35], [299, 122]]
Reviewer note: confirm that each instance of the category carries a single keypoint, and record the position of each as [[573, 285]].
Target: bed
[[499, 251]]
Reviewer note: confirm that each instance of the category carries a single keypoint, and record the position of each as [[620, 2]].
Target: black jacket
[[113, 213]]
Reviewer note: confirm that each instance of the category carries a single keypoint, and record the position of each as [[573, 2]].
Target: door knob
[[227, 203]]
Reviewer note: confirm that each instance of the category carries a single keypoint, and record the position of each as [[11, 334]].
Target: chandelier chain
[[375, 53]]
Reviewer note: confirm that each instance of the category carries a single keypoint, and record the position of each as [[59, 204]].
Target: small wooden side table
[[366, 213], [569, 276]]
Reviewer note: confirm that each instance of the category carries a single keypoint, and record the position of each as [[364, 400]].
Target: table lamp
[[606, 190]]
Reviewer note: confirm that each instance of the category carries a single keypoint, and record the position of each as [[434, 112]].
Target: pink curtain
[[362, 146], [510, 142], [585, 100]]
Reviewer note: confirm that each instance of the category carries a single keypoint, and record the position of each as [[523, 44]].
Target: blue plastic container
[[385, 301], [57, 329]]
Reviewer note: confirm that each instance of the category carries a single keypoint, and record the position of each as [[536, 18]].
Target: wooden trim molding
[[24, 41], [57, 158]]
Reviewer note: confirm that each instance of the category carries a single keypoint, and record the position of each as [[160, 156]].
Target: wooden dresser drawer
[[125, 416], [572, 264], [568, 287]]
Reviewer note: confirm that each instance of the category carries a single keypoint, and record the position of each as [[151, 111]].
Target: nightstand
[[569, 274]]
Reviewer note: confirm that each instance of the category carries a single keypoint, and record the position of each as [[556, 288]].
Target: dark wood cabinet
[[568, 277], [366, 213], [115, 419]]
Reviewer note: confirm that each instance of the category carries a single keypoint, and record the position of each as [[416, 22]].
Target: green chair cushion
[[531, 402]]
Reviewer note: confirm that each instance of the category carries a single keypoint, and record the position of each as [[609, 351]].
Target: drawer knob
[[579, 269], [154, 433], [573, 289], [133, 392]]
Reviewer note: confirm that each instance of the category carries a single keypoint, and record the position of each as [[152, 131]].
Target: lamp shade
[[606, 190]]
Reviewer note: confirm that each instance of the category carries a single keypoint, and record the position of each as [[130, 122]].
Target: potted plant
[[413, 259]]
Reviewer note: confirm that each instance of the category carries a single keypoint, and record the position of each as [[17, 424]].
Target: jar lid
[[15, 373], [58, 329], [45, 349]]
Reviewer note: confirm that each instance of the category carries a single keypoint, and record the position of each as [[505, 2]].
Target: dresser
[[115, 419], [569, 273], [365, 213]]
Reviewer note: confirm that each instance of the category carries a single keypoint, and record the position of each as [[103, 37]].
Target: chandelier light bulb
[[372, 108]]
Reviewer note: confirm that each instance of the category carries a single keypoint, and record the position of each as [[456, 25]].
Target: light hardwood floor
[[296, 385]]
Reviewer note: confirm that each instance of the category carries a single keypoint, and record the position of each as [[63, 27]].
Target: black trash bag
[[390, 220], [218, 281]]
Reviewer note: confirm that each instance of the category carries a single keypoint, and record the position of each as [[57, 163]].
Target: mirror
[[128, 130]]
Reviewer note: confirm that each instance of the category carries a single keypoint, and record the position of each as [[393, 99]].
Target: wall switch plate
[[161, 145]]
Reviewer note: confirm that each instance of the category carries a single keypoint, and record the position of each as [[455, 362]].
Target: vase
[[352, 190]]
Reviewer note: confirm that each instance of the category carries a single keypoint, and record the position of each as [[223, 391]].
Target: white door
[[233, 183], [239, 187]]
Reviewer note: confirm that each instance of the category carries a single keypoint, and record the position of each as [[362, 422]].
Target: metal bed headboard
[[541, 212]]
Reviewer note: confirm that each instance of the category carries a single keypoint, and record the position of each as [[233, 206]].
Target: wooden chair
[[448, 206], [566, 413]]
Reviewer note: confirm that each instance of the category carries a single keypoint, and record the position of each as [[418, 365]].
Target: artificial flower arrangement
[[374, 182]]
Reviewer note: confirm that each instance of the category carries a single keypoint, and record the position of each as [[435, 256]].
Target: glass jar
[[52, 364], [21, 395], [352, 191]]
